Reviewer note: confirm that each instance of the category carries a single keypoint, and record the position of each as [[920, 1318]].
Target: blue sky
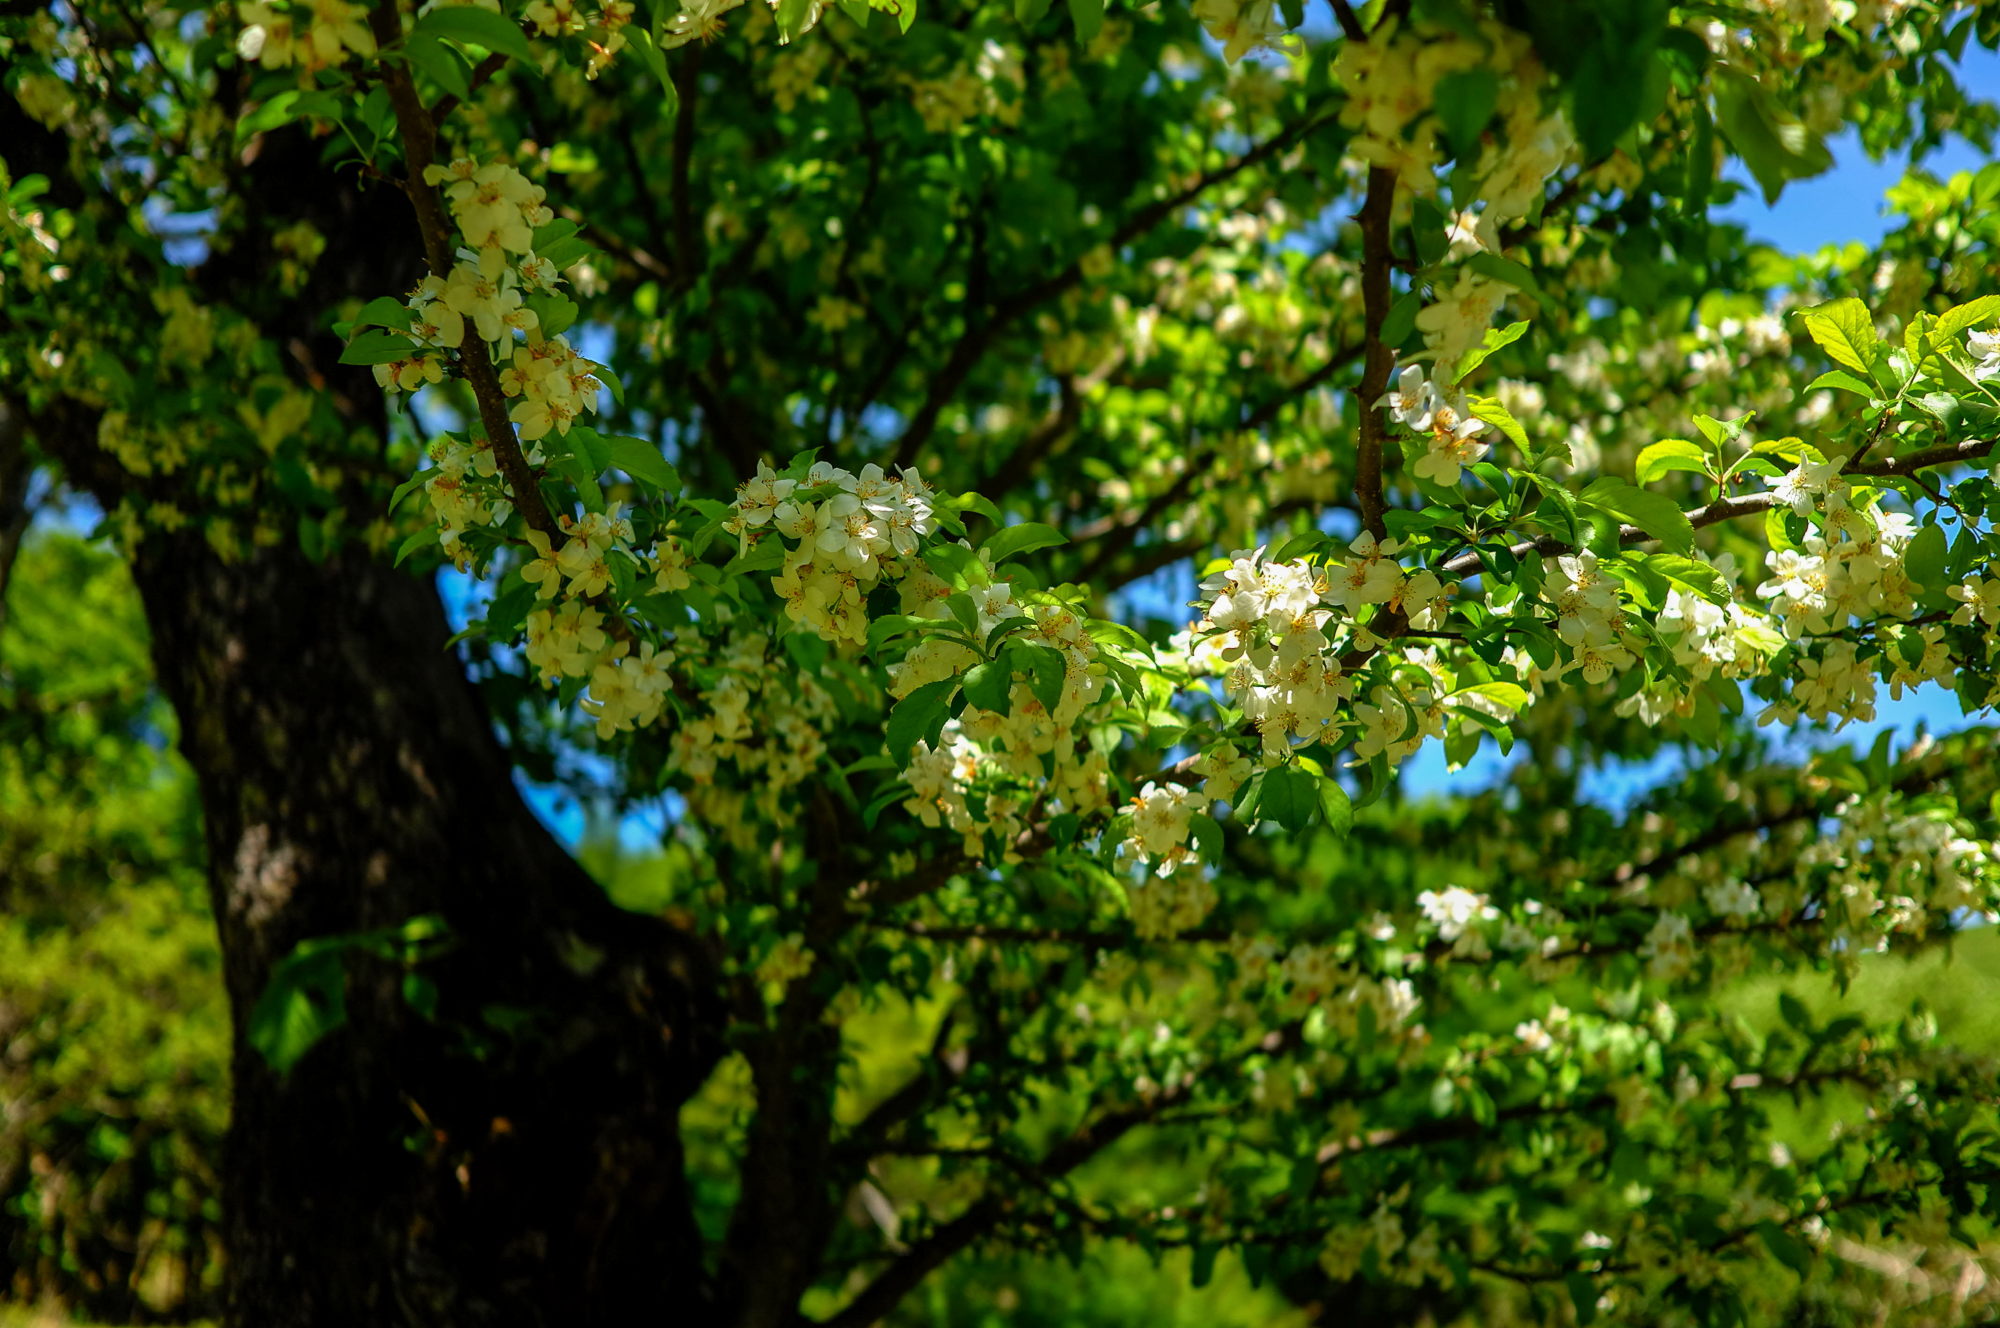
[[1846, 203]]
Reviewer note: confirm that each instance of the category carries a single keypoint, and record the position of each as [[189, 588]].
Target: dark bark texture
[[516, 1159], [512, 1158]]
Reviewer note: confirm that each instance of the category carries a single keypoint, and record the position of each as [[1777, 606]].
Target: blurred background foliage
[[114, 1037]]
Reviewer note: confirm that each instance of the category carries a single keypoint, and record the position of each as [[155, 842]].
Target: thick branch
[[1379, 357], [419, 137]]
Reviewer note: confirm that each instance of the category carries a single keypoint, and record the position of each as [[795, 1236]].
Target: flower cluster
[[496, 207], [1590, 615], [1162, 817], [991, 768], [584, 559], [497, 211], [565, 18], [1390, 79], [1443, 418], [1456, 320], [555, 386], [754, 733], [1669, 947], [458, 502], [1456, 913], [314, 36], [966, 93], [1268, 624], [1985, 346], [845, 533], [1707, 640], [1243, 26]]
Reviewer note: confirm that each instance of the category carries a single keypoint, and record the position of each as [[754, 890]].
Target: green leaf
[[427, 537], [1496, 337], [1022, 538], [895, 792], [1401, 319], [566, 253], [509, 610], [1088, 16], [1583, 1295], [1506, 270], [476, 27], [1655, 513], [954, 565], [1924, 559], [1465, 101], [1045, 677], [305, 1000], [1772, 142], [1290, 797], [990, 685], [1723, 431], [643, 462], [1845, 332], [1689, 574], [384, 311], [1669, 454], [792, 16], [1964, 317], [377, 348], [287, 106], [583, 476], [1335, 806], [1030, 12], [921, 714], [1509, 695], [611, 381], [1843, 381], [446, 67], [893, 625], [647, 44], [1786, 1248], [571, 159], [1497, 415], [555, 313]]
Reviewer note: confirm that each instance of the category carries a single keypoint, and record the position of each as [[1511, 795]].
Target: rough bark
[[515, 1159], [411, 1171]]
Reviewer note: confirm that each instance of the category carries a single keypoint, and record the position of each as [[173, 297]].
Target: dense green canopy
[[1019, 487]]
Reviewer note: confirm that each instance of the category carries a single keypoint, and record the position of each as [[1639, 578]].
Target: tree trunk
[[514, 1160], [514, 1157]]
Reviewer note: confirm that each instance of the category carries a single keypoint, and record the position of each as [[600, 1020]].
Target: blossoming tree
[[825, 415]]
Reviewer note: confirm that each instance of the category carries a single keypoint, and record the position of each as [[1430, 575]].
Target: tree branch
[[1119, 533], [980, 333], [903, 1276], [419, 137], [1350, 23], [1724, 509], [1380, 357]]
